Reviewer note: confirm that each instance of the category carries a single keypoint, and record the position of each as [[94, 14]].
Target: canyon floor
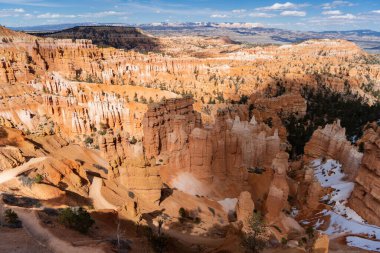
[[114, 140]]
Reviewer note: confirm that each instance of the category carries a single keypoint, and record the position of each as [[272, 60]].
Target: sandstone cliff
[[365, 198], [331, 142], [215, 155]]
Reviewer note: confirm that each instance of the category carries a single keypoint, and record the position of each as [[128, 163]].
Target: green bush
[[197, 220], [182, 213], [89, 140], [102, 132], [77, 219], [38, 179], [11, 217]]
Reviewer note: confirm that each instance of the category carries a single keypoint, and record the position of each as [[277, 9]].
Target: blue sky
[[292, 14]]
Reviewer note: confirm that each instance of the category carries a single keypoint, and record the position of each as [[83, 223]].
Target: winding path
[[44, 237], [12, 173], [96, 195], [32, 224]]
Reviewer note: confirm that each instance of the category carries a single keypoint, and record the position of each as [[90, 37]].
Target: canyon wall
[[365, 198], [211, 155], [330, 143]]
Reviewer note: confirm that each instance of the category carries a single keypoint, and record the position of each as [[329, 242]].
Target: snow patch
[[228, 204], [342, 219], [330, 175], [362, 243], [187, 183]]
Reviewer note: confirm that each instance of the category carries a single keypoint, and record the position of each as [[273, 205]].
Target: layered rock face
[[71, 108], [214, 155], [365, 198], [331, 142], [146, 182], [10, 157], [121, 149], [167, 125]]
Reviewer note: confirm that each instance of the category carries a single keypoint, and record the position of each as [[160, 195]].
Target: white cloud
[[332, 12], [238, 25], [85, 15], [19, 10], [261, 15], [376, 11], [104, 14], [30, 3], [11, 12], [279, 6], [55, 15], [218, 16], [335, 4], [345, 16], [293, 13], [239, 11]]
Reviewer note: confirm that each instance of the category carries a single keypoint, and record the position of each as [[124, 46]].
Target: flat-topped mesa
[[167, 125], [327, 48], [105, 36], [330, 142], [365, 198]]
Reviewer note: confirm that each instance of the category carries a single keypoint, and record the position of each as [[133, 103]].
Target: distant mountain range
[[255, 33]]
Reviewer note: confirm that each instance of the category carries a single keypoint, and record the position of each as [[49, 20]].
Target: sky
[[309, 15]]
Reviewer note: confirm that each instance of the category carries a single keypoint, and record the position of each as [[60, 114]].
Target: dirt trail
[[96, 195], [32, 225], [12, 173]]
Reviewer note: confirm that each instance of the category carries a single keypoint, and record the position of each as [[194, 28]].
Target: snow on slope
[[362, 243], [343, 220]]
